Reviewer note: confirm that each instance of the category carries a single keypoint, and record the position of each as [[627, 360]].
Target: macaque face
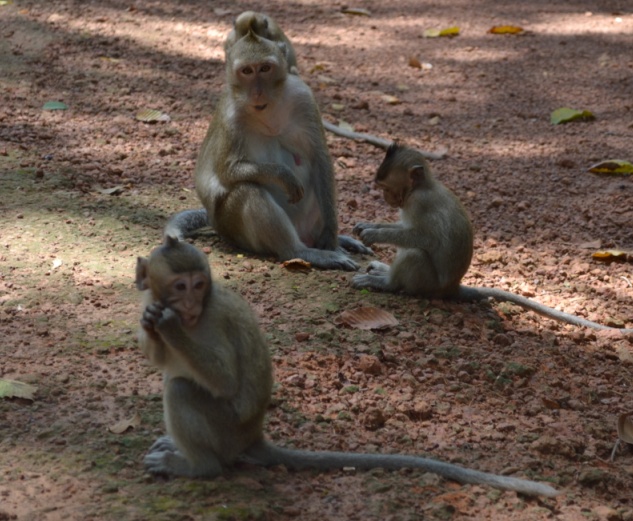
[[186, 294], [257, 77], [393, 193]]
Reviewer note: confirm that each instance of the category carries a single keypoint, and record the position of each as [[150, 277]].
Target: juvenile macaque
[[264, 26], [264, 174], [218, 380], [434, 239]]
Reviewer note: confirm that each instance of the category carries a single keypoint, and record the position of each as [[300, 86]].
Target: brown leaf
[[358, 11], [297, 265], [366, 318], [414, 62], [123, 425], [505, 29], [625, 427]]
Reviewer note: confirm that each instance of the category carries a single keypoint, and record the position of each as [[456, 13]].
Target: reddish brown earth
[[492, 387]]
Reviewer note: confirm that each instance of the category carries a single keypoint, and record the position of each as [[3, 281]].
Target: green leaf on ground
[[435, 33], [565, 115], [15, 389], [612, 167], [54, 105]]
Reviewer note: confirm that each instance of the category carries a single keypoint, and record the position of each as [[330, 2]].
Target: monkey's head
[[256, 72], [402, 171], [178, 276]]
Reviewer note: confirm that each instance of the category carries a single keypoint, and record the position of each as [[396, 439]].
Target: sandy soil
[[85, 191]]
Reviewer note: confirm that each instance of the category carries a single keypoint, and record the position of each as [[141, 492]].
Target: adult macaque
[[264, 26], [264, 174], [218, 380], [434, 239]]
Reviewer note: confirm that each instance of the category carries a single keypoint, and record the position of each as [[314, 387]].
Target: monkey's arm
[[262, 174], [480, 293], [398, 236], [364, 226], [212, 363]]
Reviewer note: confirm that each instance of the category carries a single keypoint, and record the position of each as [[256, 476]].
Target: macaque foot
[[164, 458], [377, 268], [328, 260], [378, 282], [353, 246], [162, 444]]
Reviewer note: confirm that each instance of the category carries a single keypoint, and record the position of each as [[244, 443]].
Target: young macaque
[[434, 239], [264, 26], [264, 174], [218, 380]]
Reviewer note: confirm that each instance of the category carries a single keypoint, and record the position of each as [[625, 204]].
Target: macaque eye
[[180, 286], [247, 70], [199, 285], [265, 68]]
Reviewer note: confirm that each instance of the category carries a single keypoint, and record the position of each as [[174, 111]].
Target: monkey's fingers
[[360, 227], [353, 246], [368, 237], [295, 194]]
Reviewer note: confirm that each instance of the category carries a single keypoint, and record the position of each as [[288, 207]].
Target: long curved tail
[[182, 224], [265, 453], [374, 140], [475, 293]]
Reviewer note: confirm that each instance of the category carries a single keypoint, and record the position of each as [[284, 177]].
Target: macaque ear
[[417, 174], [284, 49], [141, 273]]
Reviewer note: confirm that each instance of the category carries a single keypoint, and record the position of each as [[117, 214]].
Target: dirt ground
[[84, 191]]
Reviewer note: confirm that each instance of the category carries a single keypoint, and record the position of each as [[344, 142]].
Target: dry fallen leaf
[[625, 427], [151, 116], [612, 167], [505, 29], [358, 11], [392, 100], [366, 318], [605, 255], [414, 62], [123, 425], [115, 190], [435, 33], [297, 265]]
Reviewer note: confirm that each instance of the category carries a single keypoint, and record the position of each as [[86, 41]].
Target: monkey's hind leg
[[266, 228], [200, 429]]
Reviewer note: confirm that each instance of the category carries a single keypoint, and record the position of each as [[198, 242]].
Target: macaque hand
[[156, 316], [369, 236], [360, 227], [295, 191]]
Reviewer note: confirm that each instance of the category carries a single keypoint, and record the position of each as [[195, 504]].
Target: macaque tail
[[374, 140], [469, 293], [183, 224], [265, 453]]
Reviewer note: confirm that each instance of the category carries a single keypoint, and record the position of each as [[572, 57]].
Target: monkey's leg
[[414, 272], [203, 433], [264, 227]]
